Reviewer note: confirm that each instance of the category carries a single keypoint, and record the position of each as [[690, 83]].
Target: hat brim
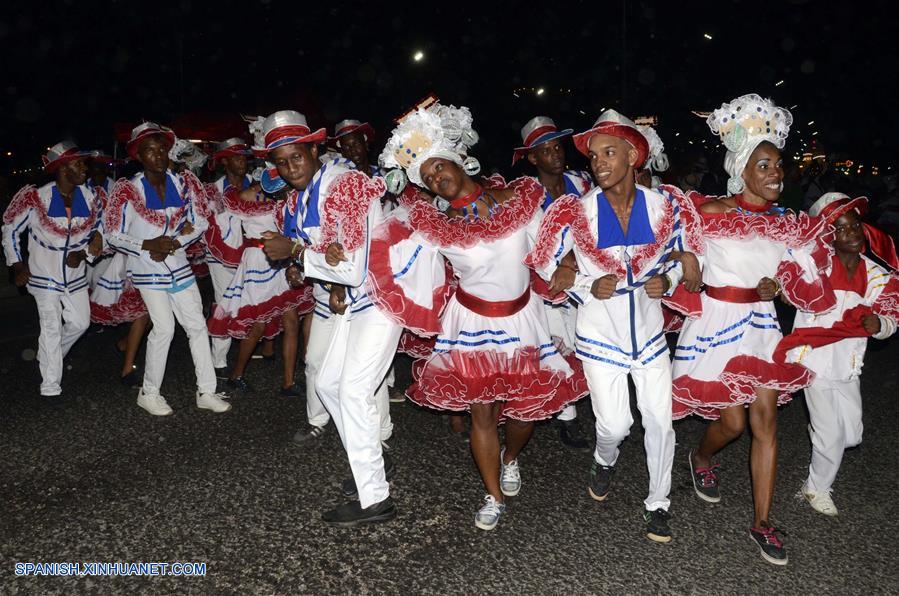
[[858, 204], [633, 136], [271, 181], [132, 145], [64, 159], [520, 152], [365, 128], [231, 153], [314, 137]]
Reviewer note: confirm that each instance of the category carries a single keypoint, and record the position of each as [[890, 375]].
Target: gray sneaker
[[509, 477], [306, 436], [488, 516]]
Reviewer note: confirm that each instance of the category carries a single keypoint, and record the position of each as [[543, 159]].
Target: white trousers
[[319, 338], [186, 306], [835, 411], [611, 406], [63, 318], [356, 362], [221, 279]]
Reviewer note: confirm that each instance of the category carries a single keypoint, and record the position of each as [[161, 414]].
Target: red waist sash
[[486, 308], [733, 294]]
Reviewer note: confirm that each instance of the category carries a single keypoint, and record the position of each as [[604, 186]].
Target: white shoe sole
[[156, 413], [510, 493], [767, 557], [214, 409], [482, 526], [595, 496]]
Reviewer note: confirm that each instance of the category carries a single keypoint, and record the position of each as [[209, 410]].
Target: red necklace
[[468, 199], [750, 207]]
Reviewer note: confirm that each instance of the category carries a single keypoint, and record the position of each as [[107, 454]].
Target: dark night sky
[[75, 68]]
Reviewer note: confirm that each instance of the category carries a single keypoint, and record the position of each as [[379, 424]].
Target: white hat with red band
[[232, 146], [537, 131], [144, 130], [285, 127], [614, 124], [61, 153], [345, 127]]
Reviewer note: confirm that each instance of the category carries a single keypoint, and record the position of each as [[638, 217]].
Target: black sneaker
[[348, 488], [705, 481], [307, 436], [352, 514], [600, 480], [657, 528], [570, 435], [239, 384], [292, 391], [771, 546]]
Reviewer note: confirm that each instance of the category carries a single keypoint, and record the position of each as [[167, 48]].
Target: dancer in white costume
[[61, 220], [751, 252], [833, 344], [332, 204], [543, 149], [626, 242], [151, 219], [494, 356]]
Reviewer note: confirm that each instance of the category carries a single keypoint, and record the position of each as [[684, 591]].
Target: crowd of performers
[[516, 298]]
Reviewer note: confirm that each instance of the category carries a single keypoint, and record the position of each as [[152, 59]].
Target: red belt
[[733, 294], [486, 308]]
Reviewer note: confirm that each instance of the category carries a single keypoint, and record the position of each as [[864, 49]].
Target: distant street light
[[540, 91], [707, 36], [418, 56], [779, 83]]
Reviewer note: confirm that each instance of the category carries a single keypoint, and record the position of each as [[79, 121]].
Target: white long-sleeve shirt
[[129, 221], [52, 235]]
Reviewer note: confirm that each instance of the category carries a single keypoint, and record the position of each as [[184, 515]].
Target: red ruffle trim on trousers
[[736, 385], [454, 380], [268, 312]]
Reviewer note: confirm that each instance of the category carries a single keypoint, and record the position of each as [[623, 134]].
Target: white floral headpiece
[[185, 152], [743, 124], [436, 131], [657, 160]]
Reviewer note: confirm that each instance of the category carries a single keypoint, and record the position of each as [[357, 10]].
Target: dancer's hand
[[160, 244], [604, 287], [768, 288], [276, 246], [692, 274], [337, 300], [562, 279], [21, 273], [95, 246], [656, 286], [294, 276], [73, 259], [871, 323], [334, 255]]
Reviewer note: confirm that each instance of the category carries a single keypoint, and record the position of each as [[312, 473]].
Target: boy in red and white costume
[[61, 219], [625, 240], [542, 147], [151, 218], [833, 344], [328, 204]]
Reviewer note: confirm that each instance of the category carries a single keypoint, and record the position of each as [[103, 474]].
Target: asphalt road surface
[[103, 481]]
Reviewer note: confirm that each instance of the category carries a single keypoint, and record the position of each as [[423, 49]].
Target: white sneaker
[[509, 477], [489, 514], [820, 502], [153, 403], [212, 401]]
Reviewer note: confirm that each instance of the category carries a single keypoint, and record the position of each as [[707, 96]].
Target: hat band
[[283, 132], [537, 133]]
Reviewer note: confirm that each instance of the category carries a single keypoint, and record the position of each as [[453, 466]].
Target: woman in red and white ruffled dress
[[494, 356], [259, 303], [751, 251]]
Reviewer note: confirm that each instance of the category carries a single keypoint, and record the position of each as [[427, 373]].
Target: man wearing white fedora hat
[[61, 219], [542, 147], [152, 219], [364, 340]]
